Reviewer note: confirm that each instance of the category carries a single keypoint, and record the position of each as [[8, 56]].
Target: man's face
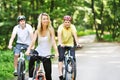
[[67, 23], [22, 23]]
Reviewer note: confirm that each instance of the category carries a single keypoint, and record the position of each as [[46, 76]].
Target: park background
[[99, 17]]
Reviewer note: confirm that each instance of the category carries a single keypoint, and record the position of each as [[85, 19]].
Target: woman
[[46, 39]]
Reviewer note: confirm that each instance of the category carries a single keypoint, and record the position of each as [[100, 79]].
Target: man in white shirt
[[24, 34]]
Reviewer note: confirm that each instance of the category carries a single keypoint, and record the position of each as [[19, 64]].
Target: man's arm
[[74, 32], [59, 32], [53, 40], [11, 41]]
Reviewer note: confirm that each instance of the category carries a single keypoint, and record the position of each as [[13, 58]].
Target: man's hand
[[79, 45], [9, 47], [62, 45]]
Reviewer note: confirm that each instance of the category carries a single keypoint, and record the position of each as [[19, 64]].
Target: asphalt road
[[96, 61]]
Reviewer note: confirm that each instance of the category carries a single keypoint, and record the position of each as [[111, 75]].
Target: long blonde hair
[[39, 26]]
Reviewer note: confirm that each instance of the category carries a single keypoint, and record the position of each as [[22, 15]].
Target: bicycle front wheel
[[20, 70], [70, 70], [73, 70]]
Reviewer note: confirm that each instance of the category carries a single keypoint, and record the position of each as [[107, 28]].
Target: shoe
[[30, 78], [61, 77], [15, 73]]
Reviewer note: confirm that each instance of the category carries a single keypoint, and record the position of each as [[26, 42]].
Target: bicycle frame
[[38, 73], [21, 65], [69, 67]]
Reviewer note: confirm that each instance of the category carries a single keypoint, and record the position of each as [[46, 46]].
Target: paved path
[[96, 61]]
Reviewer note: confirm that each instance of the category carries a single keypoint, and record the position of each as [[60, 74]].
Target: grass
[[6, 65], [6, 62]]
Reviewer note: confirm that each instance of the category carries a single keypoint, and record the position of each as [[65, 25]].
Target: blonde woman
[[46, 39]]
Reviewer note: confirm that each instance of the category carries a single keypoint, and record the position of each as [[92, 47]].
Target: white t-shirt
[[23, 35]]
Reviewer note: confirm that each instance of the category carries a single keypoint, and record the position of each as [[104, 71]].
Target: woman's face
[[45, 20], [67, 23]]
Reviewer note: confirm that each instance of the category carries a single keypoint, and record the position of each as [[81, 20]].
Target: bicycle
[[69, 67], [38, 73], [21, 64]]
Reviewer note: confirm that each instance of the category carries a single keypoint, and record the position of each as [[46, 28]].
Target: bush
[[85, 32], [6, 62]]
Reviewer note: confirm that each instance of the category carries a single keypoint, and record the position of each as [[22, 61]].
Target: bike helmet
[[67, 17], [21, 18]]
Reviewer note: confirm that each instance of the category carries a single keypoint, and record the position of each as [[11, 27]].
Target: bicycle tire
[[35, 72], [64, 69], [20, 69], [73, 70], [63, 72], [23, 75]]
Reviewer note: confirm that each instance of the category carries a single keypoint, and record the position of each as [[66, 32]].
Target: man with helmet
[[66, 35], [24, 34]]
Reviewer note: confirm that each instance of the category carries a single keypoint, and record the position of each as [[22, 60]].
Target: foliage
[[98, 15], [85, 32], [6, 62]]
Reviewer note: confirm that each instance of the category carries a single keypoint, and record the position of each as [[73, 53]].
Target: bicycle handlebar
[[48, 56]]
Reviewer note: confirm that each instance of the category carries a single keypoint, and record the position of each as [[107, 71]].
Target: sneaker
[[30, 78], [61, 77], [15, 73]]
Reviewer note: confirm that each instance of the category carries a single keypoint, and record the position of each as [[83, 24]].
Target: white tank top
[[44, 45]]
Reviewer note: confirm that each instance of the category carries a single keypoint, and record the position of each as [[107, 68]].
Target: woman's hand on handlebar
[[27, 52]]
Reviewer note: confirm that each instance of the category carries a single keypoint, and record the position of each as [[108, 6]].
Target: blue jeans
[[62, 50]]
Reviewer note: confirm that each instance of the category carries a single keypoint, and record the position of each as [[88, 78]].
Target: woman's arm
[[53, 40], [32, 43]]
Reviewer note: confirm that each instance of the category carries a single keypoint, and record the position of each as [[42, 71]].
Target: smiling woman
[[46, 39]]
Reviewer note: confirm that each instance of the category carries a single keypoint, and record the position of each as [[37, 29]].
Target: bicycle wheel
[[23, 73], [34, 74], [63, 71], [70, 70], [73, 64], [20, 69], [35, 70]]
